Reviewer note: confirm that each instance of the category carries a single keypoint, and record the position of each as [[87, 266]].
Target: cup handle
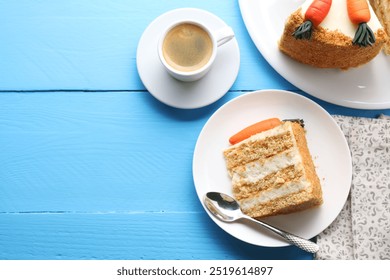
[[224, 35]]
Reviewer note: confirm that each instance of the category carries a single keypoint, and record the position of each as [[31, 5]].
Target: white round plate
[[181, 94], [327, 145], [366, 87]]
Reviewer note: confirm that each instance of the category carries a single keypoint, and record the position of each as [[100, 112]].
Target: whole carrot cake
[[333, 34]]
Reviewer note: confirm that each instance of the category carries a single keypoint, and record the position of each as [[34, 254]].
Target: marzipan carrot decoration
[[254, 129], [359, 13], [315, 14]]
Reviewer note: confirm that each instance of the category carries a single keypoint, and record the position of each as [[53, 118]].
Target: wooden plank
[[92, 44], [94, 151], [131, 236]]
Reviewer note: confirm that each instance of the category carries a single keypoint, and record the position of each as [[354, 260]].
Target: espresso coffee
[[187, 47]]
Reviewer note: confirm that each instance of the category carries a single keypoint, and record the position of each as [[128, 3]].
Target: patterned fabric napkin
[[362, 230]]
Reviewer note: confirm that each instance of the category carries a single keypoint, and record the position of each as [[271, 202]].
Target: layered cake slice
[[272, 172]]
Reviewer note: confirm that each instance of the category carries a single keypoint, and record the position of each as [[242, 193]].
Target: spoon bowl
[[223, 206], [227, 209]]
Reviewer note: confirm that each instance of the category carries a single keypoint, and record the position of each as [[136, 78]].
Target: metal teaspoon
[[227, 209]]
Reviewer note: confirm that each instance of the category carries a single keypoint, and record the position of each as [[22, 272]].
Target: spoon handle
[[300, 242]]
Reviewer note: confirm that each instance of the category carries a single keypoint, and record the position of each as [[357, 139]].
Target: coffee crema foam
[[187, 47]]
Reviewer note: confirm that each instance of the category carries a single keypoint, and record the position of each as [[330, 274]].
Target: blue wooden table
[[91, 165]]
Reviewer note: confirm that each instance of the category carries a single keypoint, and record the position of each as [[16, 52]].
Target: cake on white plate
[[272, 172], [336, 39]]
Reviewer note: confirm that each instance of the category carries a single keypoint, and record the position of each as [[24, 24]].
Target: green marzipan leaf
[[364, 36], [304, 31]]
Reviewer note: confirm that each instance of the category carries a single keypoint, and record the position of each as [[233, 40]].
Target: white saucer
[[178, 94]]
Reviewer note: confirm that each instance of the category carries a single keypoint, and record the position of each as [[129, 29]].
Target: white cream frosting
[[337, 18], [268, 195], [256, 171]]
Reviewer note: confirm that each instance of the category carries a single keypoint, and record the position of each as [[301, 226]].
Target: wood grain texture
[[118, 161], [95, 152], [133, 236], [91, 165], [92, 44]]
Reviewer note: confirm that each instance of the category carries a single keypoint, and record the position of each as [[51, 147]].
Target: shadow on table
[[184, 114]]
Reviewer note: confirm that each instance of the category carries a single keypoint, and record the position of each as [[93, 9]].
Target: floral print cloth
[[362, 230]]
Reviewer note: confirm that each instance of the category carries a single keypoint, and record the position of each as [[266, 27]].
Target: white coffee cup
[[187, 49]]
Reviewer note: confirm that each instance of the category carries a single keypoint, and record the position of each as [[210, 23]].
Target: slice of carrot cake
[[272, 172]]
